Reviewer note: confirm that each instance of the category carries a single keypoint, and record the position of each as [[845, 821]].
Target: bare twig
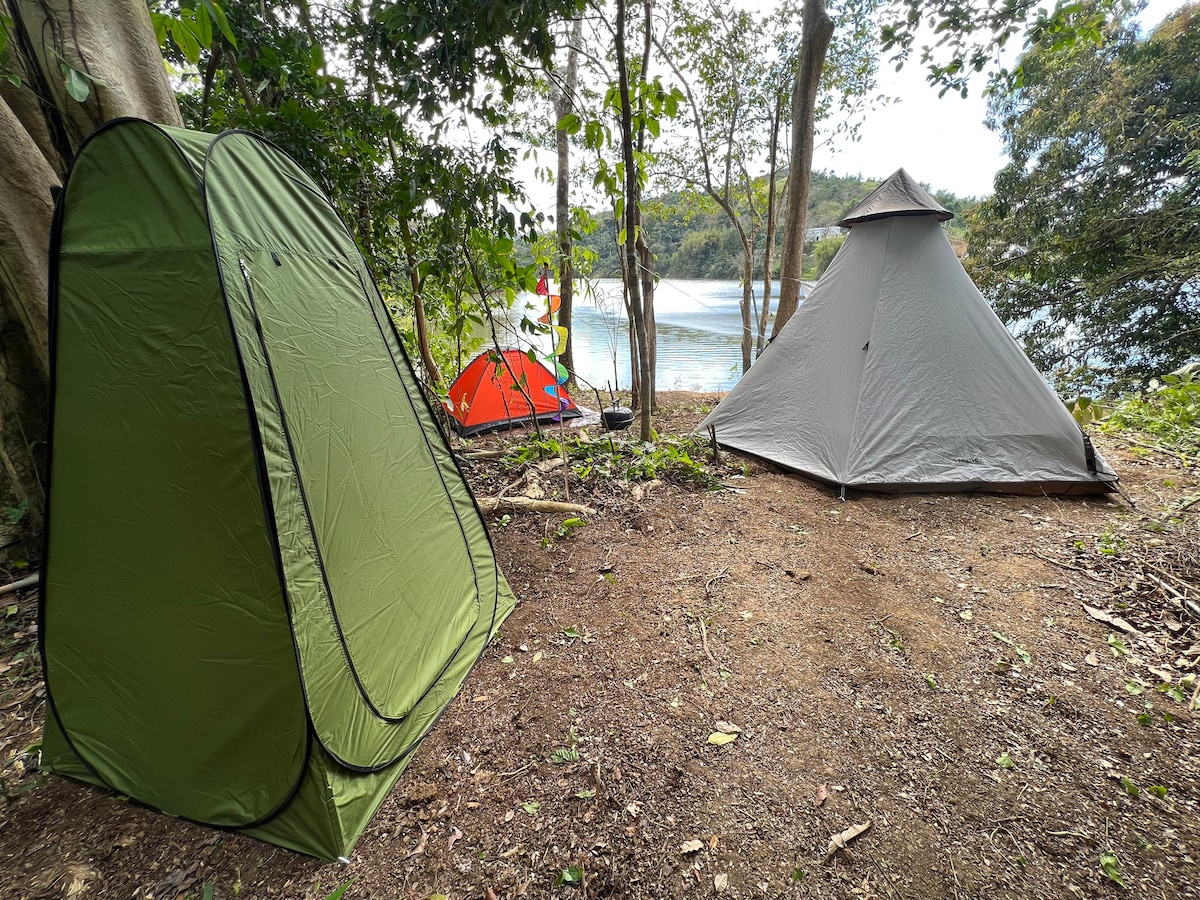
[[704, 641]]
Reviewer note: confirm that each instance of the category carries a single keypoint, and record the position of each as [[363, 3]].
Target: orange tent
[[486, 396]]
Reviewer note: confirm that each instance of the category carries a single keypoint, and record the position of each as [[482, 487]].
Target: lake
[[699, 333]]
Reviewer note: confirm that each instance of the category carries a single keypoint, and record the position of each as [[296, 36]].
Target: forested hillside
[[692, 238]]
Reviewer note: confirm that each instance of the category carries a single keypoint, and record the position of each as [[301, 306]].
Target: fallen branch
[[490, 505], [27, 581]]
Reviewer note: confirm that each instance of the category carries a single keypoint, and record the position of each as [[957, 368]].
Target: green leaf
[[563, 755], [76, 83], [1005, 761], [573, 631], [202, 26], [570, 123], [531, 807], [208, 890], [1109, 865], [1130, 788], [570, 875], [586, 794], [339, 890], [1158, 791], [1017, 649], [185, 40], [1172, 691], [218, 16]]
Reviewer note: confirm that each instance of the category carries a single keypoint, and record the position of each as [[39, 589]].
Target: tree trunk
[[645, 255], [420, 322], [112, 44], [633, 283], [772, 216], [564, 104], [818, 29]]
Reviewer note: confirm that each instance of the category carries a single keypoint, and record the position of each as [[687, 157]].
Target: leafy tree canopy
[[1090, 246]]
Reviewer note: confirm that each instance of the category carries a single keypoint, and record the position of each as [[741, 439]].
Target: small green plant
[[1005, 761], [1016, 648], [562, 755], [569, 875], [1110, 866], [15, 514], [569, 526], [1110, 544]]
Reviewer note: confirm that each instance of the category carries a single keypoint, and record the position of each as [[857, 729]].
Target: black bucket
[[616, 418]]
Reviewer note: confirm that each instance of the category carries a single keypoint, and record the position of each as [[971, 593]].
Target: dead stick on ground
[[713, 579], [491, 505], [480, 454], [704, 641], [885, 875], [1054, 562]]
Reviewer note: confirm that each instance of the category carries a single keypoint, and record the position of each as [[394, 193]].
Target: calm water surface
[[699, 333]]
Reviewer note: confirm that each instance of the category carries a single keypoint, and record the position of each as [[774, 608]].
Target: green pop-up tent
[[265, 576]]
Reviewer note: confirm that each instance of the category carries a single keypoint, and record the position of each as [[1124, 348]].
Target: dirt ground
[[922, 663]]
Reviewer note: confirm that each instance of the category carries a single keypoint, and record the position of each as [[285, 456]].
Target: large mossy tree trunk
[[107, 47]]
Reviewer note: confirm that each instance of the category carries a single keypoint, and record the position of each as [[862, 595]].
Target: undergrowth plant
[[1167, 412], [607, 457]]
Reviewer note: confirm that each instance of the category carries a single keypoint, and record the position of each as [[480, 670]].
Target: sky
[[940, 142]]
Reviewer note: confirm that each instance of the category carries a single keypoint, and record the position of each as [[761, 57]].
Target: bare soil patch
[[924, 663]]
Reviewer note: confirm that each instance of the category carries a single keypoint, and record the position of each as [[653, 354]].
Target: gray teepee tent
[[895, 374], [265, 577]]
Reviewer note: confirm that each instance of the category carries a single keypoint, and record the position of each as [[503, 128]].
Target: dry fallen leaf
[[839, 841], [719, 738], [822, 794], [1091, 659], [692, 846], [721, 883], [1108, 619], [712, 842], [420, 848], [455, 838], [728, 727]]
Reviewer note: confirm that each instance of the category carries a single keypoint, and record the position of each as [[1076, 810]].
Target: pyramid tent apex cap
[[899, 195]]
